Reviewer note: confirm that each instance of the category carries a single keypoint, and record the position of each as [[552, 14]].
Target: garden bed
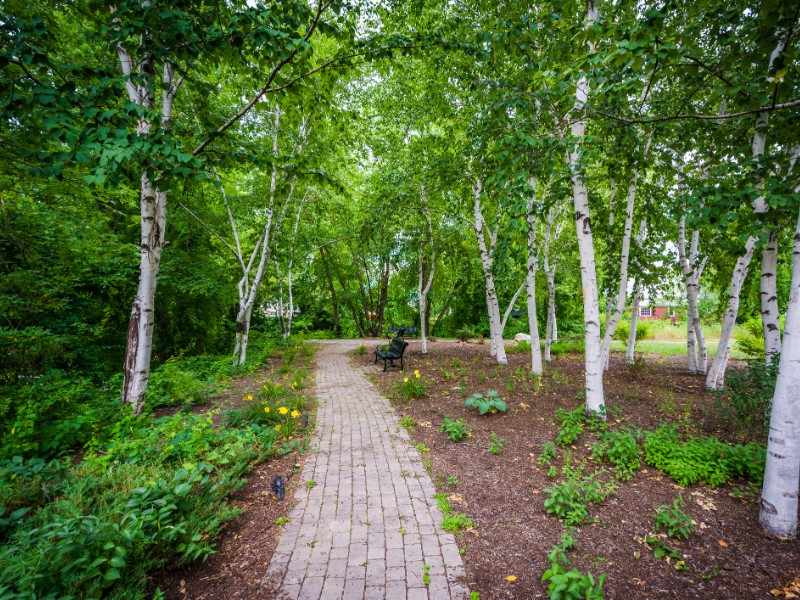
[[506, 550]]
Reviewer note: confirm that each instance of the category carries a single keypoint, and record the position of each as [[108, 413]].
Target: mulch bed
[[245, 547], [727, 555]]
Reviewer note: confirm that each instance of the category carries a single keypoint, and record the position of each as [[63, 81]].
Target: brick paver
[[369, 525]]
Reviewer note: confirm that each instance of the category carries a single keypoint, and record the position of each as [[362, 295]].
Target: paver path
[[370, 524]]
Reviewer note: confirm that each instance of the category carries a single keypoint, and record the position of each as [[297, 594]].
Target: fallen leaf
[[637, 554], [511, 578], [776, 592], [723, 544], [523, 406]]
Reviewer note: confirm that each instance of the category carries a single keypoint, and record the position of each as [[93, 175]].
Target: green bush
[[568, 500], [673, 521], [702, 458], [623, 330], [749, 394], [464, 334], [571, 425], [620, 448], [567, 345], [412, 387], [455, 430]]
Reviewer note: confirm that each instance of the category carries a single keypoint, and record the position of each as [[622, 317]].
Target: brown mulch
[[727, 555], [246, 544]]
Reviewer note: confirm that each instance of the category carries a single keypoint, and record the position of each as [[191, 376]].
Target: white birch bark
[[153, 220], [769, 298], [424, 286], [622, 290], [493, 305], [530, 281], [551, 234], [778, 515], [716, 374], [249, 287], [630, 348], [595, 402], [696, 351]]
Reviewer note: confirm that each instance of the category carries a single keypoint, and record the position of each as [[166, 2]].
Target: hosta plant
[[490, 403]]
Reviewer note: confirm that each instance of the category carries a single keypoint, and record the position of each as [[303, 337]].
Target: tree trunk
[[778, 514], [631, 347], [424, 288], [595, 403], [769, 298], [493, 306], [530, 281], [140, 328]]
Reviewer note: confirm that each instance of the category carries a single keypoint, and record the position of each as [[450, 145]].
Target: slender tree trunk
[[630, 349], [530, 281], [425, 286], [622, 290], [331, 288], [595, 402], [493, 306], [769, 298], [778, 514]]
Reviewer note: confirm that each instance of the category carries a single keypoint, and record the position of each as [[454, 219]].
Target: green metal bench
[[390, 353]]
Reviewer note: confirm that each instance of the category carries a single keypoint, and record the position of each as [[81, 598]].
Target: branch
[[214, 233], [743, 113]]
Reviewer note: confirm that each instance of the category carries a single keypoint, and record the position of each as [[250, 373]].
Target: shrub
[[702, 458], [412, 387], [623, 330], [567, 500], [520, 347], [571, 425], [492, 402], [455, 430], [567, 345], [464, 334], [495, 444], [620, 448], [673, 521], [361, 350], [749, 393], [548, 454]]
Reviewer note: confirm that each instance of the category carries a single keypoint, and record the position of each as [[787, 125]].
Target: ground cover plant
[[615, 498], [146, 491]]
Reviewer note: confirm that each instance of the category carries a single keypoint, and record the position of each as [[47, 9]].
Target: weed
[[572, 584], [619, 447], [453, 522], [548, 454], [455, 363], [447, 374], [569, 498], [455, 430], [422, 448], [571, 425], [481, 376], [510, 385], [310, 484], [452, 480], [474, 595], [361, 350], [495, 444], [491, 403], [407, 422], [426, 578], [674, 521], [463, 334], [282, 520]]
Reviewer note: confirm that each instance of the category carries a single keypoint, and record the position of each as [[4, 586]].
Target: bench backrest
[[398, 345]]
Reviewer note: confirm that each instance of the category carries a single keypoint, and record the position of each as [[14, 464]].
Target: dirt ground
[[727, 555]]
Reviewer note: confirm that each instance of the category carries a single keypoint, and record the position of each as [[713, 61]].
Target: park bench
[[402, 331], [390, 353]]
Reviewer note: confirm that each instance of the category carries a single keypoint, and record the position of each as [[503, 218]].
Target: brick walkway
[[369, 525]]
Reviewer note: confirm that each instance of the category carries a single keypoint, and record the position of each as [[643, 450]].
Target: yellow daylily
[[266, 409], [249, 397], [283, 410], [511, 578], [295, 414], [405, 380]]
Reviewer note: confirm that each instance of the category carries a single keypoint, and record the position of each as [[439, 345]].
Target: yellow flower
[[295, 414], [405, 380], [277, 427], [13, 429], [283, 410], [416, 375], [511, 578], [265, 387], [416, 372], [249, 397], [266, 409]]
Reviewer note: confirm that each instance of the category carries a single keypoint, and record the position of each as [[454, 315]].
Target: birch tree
[[424, 284], [778, 515], [530, 282], [552, 234], [595, 401]]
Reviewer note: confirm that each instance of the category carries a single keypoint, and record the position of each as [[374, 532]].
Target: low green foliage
[[407, 422], [747, 400], [620, 448], [422, 448], [455, 363], [702, 458], [570, 425], [568, 500], [463, 334], [453, 522], [412, 387], [361, 350], [572, 584], [426, 578], [520, 347], [447, 374], [495, 444], [549, 452], [491, 403], [456, 430], [673, 520]]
